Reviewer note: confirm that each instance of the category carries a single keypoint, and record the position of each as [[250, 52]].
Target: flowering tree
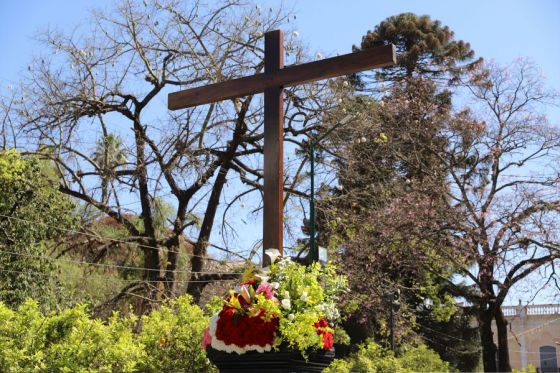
[[383, 217]]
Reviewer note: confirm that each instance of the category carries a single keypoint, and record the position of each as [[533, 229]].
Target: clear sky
[[496, 29]]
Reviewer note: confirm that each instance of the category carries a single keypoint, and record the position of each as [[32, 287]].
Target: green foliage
[[371, 358], [308, 294], [12, 166], [454, 339], [32, 214], [88, 285], [422, 359], [172, 338], [69, 341], [72, 341], [530, 369], [424, 47]]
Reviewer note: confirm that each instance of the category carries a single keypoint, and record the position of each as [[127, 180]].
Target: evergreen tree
[[424, 47], [32, 214]]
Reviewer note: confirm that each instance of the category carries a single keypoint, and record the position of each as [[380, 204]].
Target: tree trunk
[[503, 352], [487, 340], [170, 276], [196, 285], [152, 273]]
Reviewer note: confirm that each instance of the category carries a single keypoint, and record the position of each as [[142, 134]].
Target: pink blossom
[[206, 338], [266, 289]]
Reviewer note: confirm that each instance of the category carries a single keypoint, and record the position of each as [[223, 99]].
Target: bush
[[172, 337], [422, 359], [371, 358], [530, 369], [73, 341]]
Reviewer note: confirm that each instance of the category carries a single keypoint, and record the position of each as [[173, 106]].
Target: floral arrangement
[[287, 303]]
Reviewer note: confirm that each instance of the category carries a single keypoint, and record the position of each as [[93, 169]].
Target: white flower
[[345, 84], [303, 296], [291, 316], [296, 34], [363, 139], [286, 304], [245, 294], [275, 285], [273, 254], [263, 278]]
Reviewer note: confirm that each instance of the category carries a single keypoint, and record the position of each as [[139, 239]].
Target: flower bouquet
[[286, 307]]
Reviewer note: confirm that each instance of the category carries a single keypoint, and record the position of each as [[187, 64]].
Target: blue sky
[[499, 30]]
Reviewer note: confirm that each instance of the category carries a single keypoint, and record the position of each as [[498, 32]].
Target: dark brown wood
[[292, 75], [273, 146]]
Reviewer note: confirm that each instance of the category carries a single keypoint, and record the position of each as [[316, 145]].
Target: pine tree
[[424, 47]]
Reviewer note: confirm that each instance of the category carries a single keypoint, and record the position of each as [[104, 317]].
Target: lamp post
[[313, 250], [394, 306]]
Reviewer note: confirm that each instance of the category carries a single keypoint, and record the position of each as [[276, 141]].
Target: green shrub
[[172, 338], [530, 369], [371, 358], [73, 341], [422, 359]]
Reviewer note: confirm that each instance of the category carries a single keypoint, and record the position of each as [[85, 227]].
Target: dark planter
[[281, 361]]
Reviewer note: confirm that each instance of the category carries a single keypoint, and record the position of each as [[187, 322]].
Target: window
[[549, 363]]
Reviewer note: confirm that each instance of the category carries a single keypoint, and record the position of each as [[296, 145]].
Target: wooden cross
[[272, 83]]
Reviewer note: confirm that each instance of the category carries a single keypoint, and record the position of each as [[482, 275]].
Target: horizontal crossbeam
[[289, 76]]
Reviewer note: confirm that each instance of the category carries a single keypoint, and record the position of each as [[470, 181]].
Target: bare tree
[[501, 160], [96, 102]]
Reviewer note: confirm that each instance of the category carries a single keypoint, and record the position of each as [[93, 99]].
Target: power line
[[104, 264], [444, 334], [535, 328], [121, 279], [109, 238]]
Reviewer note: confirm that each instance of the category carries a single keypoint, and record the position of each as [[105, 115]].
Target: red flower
[[321, 324], [327, 336], [242, 330], [249, 282], [328, 340]]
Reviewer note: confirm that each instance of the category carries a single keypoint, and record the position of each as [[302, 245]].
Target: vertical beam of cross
[[272, 82], [273, 198]]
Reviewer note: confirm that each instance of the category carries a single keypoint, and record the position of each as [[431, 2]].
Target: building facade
[[534, 336]]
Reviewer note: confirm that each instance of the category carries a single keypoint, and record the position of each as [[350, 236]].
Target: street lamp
[[313, 249], [315, 253], [394, 306]]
